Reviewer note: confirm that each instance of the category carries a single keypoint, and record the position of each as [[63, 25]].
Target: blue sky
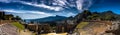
[[104, 5], [32, 9]]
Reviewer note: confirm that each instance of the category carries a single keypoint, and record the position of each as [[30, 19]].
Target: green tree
[[85, 14], [108, 15], [94, 16], [16, 18], [2, 13]]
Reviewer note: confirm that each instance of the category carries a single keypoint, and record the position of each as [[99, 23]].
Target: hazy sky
[[31, 9]]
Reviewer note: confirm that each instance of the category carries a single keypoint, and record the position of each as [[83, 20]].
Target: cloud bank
[[52, 7], [55, 8]]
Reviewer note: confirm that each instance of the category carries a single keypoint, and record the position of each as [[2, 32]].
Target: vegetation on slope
[[88, 15], [82, 24], [18, 25]]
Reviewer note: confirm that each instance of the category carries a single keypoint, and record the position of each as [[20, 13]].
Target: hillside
[[103, 16], [47, 19], [97, 28]]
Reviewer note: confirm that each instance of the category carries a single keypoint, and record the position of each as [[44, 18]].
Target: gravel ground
[[8, 29]]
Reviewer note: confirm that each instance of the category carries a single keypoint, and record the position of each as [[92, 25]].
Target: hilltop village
[[85, 23]]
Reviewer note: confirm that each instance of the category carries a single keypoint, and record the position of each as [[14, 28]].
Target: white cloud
[[59, 2], [43, 6], [8, 1], [55, 8], [25, 14], [14, 11], [29, 16], [79, 4], [70, 14], [25, 11], [43, 13]]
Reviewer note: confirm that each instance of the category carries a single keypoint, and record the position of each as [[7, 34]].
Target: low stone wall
[[5, 21], [44, 28]]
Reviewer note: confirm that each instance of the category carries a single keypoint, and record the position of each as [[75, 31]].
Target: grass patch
[[82, 24], [18, 25]]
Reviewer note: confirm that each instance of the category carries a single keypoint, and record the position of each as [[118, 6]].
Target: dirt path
[[55, 34], [8, 29], [26, 32]]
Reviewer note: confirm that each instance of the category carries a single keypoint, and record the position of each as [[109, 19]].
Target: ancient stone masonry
[[40, 28], [96, 28], [4, 16], [115, 28], [60, 28]]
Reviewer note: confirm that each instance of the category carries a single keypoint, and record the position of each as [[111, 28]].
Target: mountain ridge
[[48, 19]]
